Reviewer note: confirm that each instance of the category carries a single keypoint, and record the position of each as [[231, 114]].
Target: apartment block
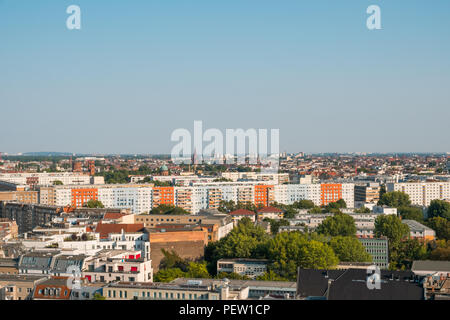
[[367, 193], [422, 193]]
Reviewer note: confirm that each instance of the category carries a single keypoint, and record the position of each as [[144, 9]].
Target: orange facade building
[[263, 195], [163, 195], [81, 196]]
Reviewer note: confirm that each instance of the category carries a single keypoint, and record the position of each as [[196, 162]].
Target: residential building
[[419, 231], [270, 213], [367, 193], [191, 290], [422, 193], [118, 265], [55, 288], [9, 265], [19, 287]]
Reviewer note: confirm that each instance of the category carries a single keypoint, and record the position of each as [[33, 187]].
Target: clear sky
[[137, 70]]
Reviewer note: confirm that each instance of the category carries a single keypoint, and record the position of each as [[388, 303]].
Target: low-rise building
[[118, 265], [257, 289], [191, 290], [19, 287], [9, 266], [419, 231], [429, 267], [251, 268], [242, 213], [55, 288], [270, 213]]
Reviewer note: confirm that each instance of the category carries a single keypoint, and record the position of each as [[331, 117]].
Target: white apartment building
[[422, 193], [141, 198]]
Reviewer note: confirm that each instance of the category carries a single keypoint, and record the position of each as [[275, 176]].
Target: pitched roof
[[107, 228], [113, 215], [242, 212], [270, 209]]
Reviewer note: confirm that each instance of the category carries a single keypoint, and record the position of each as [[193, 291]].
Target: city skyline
[[137, 71]]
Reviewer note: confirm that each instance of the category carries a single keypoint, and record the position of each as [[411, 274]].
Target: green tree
[[349, 249], [289, 250], [441, 226], [439, 208], [315, 210], [395, 199], [391, 227], [270, 276], [276, 224], [403, 253], [382, 190], [57, 183], [98, 296], [304, 204], [169, 210], [197, 270], [362, 210], [245, 241], [411, 213], [338, 225], [227, 206], [167, 275], [441, 251], [173, 260]]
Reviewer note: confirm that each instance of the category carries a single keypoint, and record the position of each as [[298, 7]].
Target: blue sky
[[137, 70]]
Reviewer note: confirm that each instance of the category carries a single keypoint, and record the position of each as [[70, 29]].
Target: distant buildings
[[194, 196], [201, 289], [48, 179]]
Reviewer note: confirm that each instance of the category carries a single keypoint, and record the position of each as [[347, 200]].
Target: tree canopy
[[94, 204], [169, 209], [439, 208], [349, 249], [395, 199], [391, 227]]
